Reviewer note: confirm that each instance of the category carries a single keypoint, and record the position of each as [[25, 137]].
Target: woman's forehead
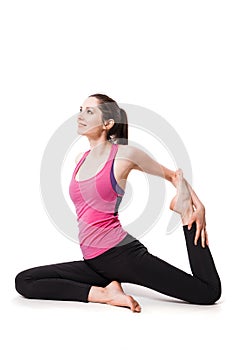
[[91, 102]]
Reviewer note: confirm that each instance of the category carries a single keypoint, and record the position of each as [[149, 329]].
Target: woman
[[110, 254]]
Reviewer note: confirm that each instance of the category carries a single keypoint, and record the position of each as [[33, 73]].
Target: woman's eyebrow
[[87, 107]]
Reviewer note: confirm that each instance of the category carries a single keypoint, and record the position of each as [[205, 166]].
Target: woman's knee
[[214, 294], [22, 283]]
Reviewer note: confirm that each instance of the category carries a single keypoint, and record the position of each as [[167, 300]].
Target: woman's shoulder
[[133, 154], [126, 150], [128, 153]]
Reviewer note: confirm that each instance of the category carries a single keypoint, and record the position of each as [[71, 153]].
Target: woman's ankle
[[187, 215], [97, 295]]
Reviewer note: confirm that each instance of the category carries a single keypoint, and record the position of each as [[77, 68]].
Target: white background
[[173, 57]]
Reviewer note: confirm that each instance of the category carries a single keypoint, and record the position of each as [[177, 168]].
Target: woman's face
[[90, 118]]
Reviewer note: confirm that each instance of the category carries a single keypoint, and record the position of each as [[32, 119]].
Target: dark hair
[[110, 110]]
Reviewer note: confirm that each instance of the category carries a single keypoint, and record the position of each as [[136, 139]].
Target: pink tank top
[[96, 201]]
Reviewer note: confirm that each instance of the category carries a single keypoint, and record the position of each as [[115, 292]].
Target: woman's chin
[[80, 132]]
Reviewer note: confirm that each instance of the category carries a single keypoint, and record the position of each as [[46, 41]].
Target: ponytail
[[122, 130]]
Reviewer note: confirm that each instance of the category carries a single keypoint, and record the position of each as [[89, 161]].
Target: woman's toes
[[135, 307], [138, 308]]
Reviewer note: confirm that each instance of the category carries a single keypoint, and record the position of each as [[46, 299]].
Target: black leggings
[[128, 262]]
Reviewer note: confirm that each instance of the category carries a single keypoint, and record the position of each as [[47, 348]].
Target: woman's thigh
[[78, 271]]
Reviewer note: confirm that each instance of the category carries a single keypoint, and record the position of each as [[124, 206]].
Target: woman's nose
[[80, 117]]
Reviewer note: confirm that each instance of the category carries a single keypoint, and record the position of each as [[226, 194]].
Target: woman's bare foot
[[182, 202], [113, 294]]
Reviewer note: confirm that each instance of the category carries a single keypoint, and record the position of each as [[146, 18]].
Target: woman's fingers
[[202, 234], [197, 235], [191, 221], [203, 237], [207, 238]]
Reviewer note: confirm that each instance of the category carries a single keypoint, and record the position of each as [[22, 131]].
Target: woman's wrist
[[196, 201], [200, 206]]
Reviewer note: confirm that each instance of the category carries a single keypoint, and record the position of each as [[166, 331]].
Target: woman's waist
[[92, 233], [97, 242], [108, 222], [126, 243]]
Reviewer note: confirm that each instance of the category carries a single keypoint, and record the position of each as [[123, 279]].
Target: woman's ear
[[109, 124]]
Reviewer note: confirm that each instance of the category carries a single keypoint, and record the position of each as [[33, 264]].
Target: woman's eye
[[88, 110]]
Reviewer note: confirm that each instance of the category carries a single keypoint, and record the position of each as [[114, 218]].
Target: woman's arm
[[143, 162]]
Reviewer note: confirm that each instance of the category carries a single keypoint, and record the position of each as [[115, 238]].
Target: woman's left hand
[[199, 217]]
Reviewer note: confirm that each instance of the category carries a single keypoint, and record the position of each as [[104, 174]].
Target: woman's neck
[[99, 147]]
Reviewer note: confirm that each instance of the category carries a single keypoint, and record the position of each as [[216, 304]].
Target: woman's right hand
[[198, 216]]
